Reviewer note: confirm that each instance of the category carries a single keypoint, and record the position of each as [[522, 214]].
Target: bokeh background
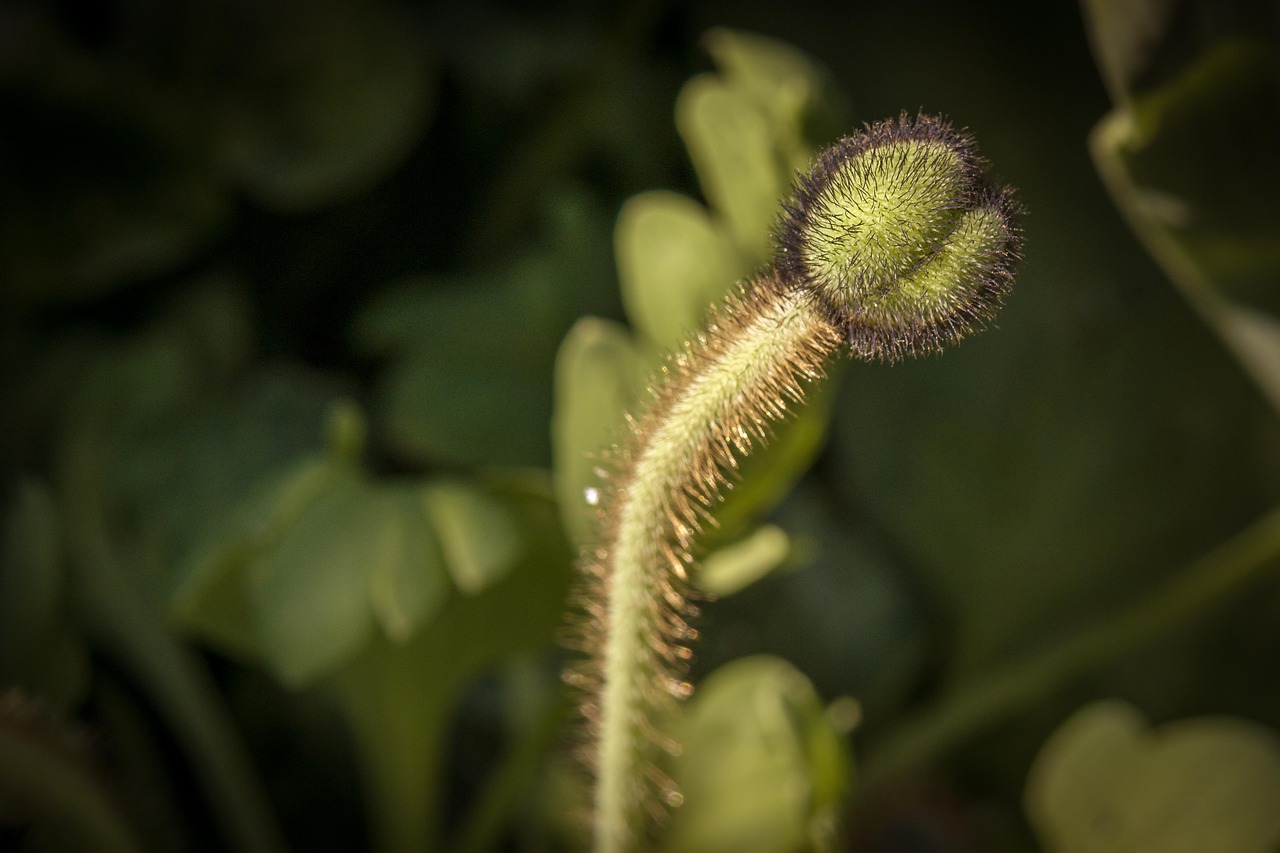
[[290, 455]]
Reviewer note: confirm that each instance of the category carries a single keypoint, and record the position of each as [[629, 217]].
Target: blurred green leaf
[[398, 697], [470, 360], [792, 89], [741, 563], [731, 144], [477, 535], [310, 593], [599, 371], [318, 107], [674, 261], [211, 599], [357, 555], [1105, 782], [762, 768], [1201, 201]]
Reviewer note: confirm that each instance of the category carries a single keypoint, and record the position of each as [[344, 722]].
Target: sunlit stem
[[739, 382]]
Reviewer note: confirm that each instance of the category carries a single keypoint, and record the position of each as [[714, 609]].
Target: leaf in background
[[358, 556], [731, 145], [1201, 201], [747, 130], [398, 698], [599, 373], [1106, 782], [316, 108], [98, 188], [744, 562], [469, 361], [477, 535], [762, 766], [674, 261]]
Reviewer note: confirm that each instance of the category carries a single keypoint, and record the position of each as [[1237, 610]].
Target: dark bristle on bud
[[900, 237]]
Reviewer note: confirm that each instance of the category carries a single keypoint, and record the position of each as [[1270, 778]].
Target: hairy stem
[[718, 397]]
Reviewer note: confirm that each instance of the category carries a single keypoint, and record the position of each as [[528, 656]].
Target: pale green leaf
[[673, 262], [1105, 783], [311, 593], [733, 148], [739, 564], [762, 767], [477, 535], [408, 589], [599, 374]]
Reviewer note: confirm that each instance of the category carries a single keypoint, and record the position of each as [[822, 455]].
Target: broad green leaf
[[733, 147], [213, 600], [408, 589], [1106, 782], [399, 698], [739, 564], [311, 592], [599, 374], [469, 360], [787, 85], [477, 535], [462, 414], [761, 768], [674, 262]]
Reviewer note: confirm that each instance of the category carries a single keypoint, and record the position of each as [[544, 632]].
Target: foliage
[[311, 339]]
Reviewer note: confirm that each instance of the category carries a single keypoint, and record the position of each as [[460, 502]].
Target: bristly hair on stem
[[893, 243]]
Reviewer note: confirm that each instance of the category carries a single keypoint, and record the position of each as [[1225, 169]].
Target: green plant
[[894, 243], [287, 304]]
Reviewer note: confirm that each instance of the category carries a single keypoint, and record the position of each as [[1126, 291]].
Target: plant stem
[[722, 394], [982, 702]]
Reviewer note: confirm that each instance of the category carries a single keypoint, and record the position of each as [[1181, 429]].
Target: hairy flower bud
[[900, 238]]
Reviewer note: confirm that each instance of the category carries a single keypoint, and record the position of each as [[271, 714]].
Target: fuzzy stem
[[720, 396]]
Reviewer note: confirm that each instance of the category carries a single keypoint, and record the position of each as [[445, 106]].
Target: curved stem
[[982, 702], [718, 397]]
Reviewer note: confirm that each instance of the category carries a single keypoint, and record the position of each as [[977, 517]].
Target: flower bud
[[900, 238]]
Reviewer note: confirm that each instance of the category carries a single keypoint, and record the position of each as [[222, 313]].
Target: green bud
[[897, 234]]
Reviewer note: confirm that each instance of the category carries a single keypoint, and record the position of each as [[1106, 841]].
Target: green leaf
[[1106, 782], [599, 372], [798, 96], [1180, 189], [310, 594], [212, 600], [410, 587], [732, 145], [470, 360], [762, 767], [398, 698], [742, 563], [317, 108], [673, 262], [480, 541]]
